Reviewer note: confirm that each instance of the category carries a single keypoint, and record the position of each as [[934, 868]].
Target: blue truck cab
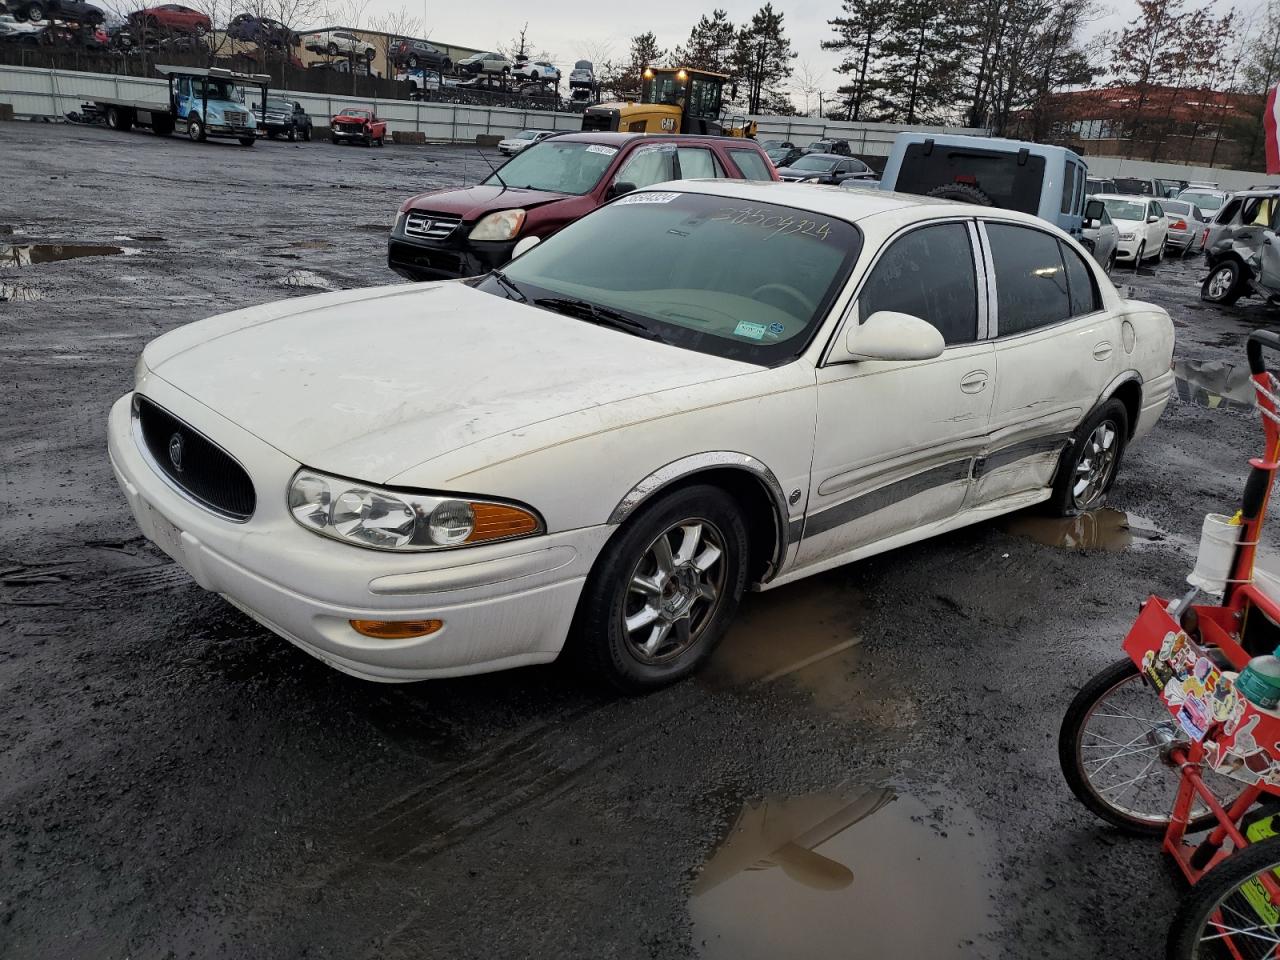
[[1046, 181], [211, 103]]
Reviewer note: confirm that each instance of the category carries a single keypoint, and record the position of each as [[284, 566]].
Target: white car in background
[[336, 43], [1144, 231], [536, 70], [1208, 198], [698, 388], [525, 138]]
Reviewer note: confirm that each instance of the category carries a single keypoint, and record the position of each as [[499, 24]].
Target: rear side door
[[1056, 350], [895, 441]]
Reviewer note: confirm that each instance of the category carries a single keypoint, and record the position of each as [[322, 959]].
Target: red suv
[[463, 233], [171, 17]]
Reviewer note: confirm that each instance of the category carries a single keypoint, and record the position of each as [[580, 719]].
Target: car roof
[[620, 139], [1124, 196]]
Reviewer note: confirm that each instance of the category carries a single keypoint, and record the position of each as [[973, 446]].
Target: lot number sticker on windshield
[[601, 148], [648, 198], [755, 331]]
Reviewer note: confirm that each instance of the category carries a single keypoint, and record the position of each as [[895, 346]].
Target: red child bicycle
[[1165, 742]]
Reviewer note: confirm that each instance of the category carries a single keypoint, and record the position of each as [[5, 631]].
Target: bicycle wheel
[[1229, 913], [1113, 747]]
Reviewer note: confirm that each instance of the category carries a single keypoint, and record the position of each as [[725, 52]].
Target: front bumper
[[503, 605], [1128, 249], [350, 133], [446, 259]]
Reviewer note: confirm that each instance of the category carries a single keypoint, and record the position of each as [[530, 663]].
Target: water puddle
[[1214, 384], [19, 293], [859, 873], [1104, 529], [27, 254]]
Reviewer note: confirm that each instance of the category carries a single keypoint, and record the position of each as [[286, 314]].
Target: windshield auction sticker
[[647, 198], [601, 148], [755, 331]]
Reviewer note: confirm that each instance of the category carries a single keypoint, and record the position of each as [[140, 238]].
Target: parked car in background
[[485, 63], [536, 70], [1100, 237], [413, 54], [260, 30], [838, 147], [358, 125], [767, 145], [783, 156], [582, 76], [1149, 186], [20, 31], [1096, 185], [1188, 226], [525, 138], [336, 43], [1243, 252], [465, 232], [287, 118], [608, 439], [825, 168], [1143, 228], [170, 17], [1208, 199], [1045, 181], [76, 11]]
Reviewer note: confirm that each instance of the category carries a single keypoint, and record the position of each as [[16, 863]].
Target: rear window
[[1009, 184], [1131, 185], [1175, 206]]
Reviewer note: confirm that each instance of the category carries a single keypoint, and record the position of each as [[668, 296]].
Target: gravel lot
[[177, 782]]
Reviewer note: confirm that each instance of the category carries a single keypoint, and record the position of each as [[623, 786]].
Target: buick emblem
[[175, 451]]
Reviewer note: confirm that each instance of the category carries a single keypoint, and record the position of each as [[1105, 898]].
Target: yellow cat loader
[[672, 100]]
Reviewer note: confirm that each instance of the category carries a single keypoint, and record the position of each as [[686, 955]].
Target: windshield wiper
[[507, 284], [594, 313]]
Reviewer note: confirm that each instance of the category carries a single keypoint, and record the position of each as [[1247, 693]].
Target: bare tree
[[395, 26], [806, 85]]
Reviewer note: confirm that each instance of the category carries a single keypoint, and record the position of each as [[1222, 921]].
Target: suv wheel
[[962, 192], [1224, 285]]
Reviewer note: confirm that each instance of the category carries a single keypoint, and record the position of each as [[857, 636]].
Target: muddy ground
[[177, 782]]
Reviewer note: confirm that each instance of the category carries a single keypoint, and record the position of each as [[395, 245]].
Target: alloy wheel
[[1220, 283], [1096, 464], [674, 591]]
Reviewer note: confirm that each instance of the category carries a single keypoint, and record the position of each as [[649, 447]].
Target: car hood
[[1121, 224], [793, 172], [369, 383], [473, 202]]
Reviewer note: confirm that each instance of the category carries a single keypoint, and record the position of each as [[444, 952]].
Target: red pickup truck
[[464, 233], [358, 125]]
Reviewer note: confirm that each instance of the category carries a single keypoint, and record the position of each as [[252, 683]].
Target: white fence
[[1228, 179], [40, 92]]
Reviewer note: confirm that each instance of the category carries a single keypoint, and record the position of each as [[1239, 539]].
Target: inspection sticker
[[776, 328], [753, 330], [649, 198], [601, 148]]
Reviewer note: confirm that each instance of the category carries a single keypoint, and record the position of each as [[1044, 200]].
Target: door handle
[[1102, 350], [974, 382]]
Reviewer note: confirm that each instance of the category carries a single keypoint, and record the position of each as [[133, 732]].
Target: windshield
[[526, 134], [734, 278], [1126, 209], [813, 162], [556, 166], [1209, 202], [362, 114], [280, 106], [218, 89]]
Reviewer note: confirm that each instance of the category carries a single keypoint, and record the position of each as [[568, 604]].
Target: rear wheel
[[663, 590], [1225, 283], [292, 134], [35, 12], [306, 133], [1229, 913], [1091, 462]]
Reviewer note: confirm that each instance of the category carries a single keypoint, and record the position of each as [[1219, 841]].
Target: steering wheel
[[796, 297]]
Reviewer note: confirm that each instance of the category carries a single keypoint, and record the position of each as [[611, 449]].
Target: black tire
[[306, 133], [600, 642], [248, 141], [332, 49], [119, 119], [35, 12], [1227, 290], [1222, 883], [162, 126], [369, 54], [195, 128], [1111, 262], [271, 134], [962, 192], [382, 140], [1064, 501], [413, 61], [1139, 256], [292, 134], [1160, 252], [1069, 754]]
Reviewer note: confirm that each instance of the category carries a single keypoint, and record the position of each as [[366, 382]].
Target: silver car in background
[[1100, 234], [1209, 199], [1188, 226]]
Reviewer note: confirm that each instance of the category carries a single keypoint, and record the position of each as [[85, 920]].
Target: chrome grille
[[236, 118], [430, 226]]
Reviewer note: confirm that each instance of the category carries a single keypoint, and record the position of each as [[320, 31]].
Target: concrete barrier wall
[[1227, 178]]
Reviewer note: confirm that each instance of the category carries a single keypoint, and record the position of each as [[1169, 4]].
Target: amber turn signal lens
[[396, 629], [497, 521]]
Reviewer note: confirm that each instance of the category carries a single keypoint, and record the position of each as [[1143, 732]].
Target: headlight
[[503, 225], [140, 370], [1126, 236], [383, 519]]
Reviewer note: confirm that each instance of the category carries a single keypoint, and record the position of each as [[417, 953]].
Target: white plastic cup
[[1218, 540]]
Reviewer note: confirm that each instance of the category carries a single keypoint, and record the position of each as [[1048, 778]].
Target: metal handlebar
[[1253, 349]]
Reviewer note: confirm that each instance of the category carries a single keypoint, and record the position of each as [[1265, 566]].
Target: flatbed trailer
[[200, 104]]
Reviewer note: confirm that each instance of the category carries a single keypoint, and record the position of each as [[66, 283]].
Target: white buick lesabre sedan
[[693, 390]]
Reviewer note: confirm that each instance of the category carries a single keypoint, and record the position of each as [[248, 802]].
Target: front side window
[[697, 163], [751, 165], [1031, 281], [929, 274], [735, 278], [649, 165], [1157, 210], [556, 166]]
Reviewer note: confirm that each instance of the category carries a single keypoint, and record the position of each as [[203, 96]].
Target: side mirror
[[1153, 219], [524, 245], [888, 335], [618, 188]]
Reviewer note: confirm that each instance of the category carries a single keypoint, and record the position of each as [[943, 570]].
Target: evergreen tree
[[859, 32], [921, 60], [624, 79], [762, 61], [710, 45]]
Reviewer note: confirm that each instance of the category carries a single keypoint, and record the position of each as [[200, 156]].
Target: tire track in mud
[[82, 581]]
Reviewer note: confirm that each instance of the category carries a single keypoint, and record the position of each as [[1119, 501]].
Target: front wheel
[[1139, 256], [1224, 285], [1113, 752], [1229, 912], [1160, 252], [663, 590], [195, 129], [1091, 462], [292, 134], [248, 141], [1111, 262]]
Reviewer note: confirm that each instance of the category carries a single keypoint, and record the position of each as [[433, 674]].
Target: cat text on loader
[[672, 100]]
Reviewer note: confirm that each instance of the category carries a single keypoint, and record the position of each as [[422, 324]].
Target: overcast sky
[[575, 29]]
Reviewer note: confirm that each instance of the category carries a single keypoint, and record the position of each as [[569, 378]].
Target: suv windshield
[[734, 278], [1126, 209], [815, 162], [556, 166], [280, 106]]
